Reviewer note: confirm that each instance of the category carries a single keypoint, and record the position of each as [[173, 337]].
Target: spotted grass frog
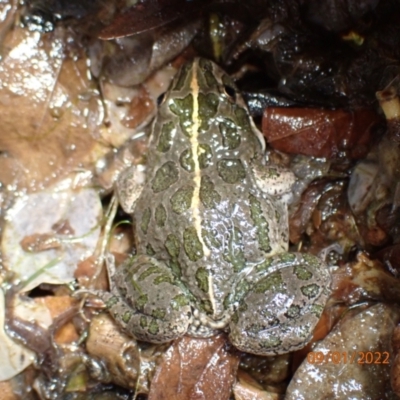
[[211, 236]]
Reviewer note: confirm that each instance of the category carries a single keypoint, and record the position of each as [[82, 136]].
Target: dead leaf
[[150, 15], [318, 132], [195, 369]]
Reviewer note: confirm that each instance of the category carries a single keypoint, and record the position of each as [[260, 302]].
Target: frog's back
[[201, 211]]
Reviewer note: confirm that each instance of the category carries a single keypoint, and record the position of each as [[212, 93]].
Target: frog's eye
[[160, 99], [230, 92]]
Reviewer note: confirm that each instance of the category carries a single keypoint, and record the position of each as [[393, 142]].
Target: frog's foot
[[274, 180], [203, 325], [147, 302], [129, 187], [279, 312]]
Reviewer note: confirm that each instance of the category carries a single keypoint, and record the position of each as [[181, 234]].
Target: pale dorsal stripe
[[194, 142]]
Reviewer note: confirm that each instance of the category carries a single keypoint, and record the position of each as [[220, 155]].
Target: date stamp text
[[345, 357]]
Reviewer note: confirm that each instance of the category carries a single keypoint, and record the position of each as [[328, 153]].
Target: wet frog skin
[[212, 246]]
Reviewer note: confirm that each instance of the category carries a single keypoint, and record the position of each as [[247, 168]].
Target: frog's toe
[[279, 313]]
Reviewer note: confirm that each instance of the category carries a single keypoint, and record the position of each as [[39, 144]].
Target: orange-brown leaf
[[195, 369]]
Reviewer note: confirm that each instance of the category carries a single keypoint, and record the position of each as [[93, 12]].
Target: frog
[[211, 230]]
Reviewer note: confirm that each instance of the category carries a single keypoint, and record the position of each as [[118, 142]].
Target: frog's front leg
[[146, 301], [129, 187], [283, 304]]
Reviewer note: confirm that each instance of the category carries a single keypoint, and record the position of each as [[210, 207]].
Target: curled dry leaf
[[195, 369], [319, 132]]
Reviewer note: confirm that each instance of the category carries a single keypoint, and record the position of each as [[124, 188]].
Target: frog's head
[[206, 99]]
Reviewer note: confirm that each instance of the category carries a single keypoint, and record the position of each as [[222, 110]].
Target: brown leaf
[[318, 132], [195, 369], [49, 116], [150, 15]]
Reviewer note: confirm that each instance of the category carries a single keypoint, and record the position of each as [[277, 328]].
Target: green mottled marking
[[183, 108], [126, 317], [179, 301], [317, 310], [228, 301], [265, 265], [210, 239], [172, 245], [273, 282], [208, 73], [302, 273], [229, 133], [160, 215], [112, 301], [192, 245], [231, 170], [158, 313], [123, 291], [166, 137], [210, 79], [162, 279], [143, 322], [180, 81], [303, 330], [243, 307], [233, 252], [311, 260], [255, 328], [272, 172], [208, 106], [204, 154], [144, 225], [141, 301], [241, 289], [287, 258], [149, 271], [182, 199], [175, 268], [206, 306], [202, 279], [149, 250], [272, 342], [186, 160], [261, 224], [242, 119], [165, 176], [235, 318], [153, 327], [311, 290], [293, 312], [209, 197]]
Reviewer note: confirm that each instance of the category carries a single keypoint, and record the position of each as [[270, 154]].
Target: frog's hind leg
[[146, 301], [283, 304]]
